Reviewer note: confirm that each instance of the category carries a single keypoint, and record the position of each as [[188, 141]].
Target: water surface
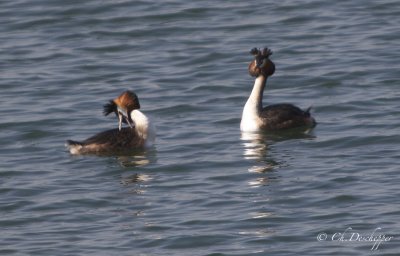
[[205, 189]]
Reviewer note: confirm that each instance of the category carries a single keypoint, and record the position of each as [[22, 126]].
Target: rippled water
[[205, 189]]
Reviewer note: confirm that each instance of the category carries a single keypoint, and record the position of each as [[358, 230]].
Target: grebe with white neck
[[139, 134], [275, 117]]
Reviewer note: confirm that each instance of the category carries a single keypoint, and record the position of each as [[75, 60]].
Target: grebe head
[[261, 65], [122, 106]]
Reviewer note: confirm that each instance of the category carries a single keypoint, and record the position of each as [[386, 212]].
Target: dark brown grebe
[[140, 134], [275, 117]]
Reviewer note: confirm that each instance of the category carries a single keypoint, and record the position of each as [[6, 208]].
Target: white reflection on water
[[261, 181], [260, 233], [256, 144], [137, 159], [259, 215], [135, 178], [256, 147]]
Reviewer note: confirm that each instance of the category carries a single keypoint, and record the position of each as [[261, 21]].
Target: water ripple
[[205, 189]]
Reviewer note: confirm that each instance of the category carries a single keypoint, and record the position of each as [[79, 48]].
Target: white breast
[[144, 127], [250, 119]]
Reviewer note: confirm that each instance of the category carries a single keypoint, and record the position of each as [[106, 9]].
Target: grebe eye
[[263, 63]]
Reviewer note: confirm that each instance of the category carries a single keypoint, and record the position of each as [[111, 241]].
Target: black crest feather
[[266, 52], [109, 108]]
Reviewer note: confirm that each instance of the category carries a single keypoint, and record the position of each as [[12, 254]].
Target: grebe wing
[[106, 142], [122, 138], [281, 116]]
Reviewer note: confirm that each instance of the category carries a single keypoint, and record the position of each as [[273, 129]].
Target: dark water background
[[205, 189]]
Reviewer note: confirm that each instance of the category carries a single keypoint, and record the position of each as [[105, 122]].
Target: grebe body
[[275, 117], [140, 134]]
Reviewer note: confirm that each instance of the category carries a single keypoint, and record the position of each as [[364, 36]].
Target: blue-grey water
[[205, 189]]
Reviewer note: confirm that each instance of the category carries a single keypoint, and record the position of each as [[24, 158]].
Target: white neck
[[144, 127], [251, 111]]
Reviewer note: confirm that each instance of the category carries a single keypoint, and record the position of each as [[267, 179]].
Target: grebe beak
[[130, 122], [122, 115]]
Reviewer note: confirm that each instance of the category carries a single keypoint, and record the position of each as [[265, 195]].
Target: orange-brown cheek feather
[[127, 101], [253, 69]]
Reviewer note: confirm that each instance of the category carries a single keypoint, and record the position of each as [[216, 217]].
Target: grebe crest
[[261, 65], [274, 117]]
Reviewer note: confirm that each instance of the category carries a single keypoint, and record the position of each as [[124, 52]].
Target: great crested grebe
[[140, 134], [275, 117]]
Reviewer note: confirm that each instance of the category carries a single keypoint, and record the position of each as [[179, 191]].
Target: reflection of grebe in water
[[140, 134], [263, 165], [257, 148], [276, 117]]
